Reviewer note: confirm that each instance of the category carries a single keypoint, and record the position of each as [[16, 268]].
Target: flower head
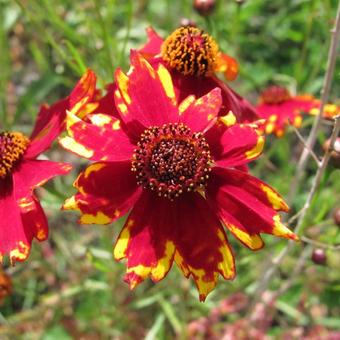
[[329, 111], [174, 166], [21, 215], [280, 109], [193, 57]]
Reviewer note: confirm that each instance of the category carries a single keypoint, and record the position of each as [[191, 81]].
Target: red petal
[[84, 89], [279, 116], [247, 206], [107, 191], [50, 120], [14, 240], [33, 218], [101, 139], [106, 104], [231, 101], [227, 65], [50, 123], [34, 173], [201, 113], [202, 249], [153, 45], [146, 240], [146, 95], [235, 145]]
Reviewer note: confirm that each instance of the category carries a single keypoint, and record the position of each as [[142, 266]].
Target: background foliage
[[70, 287]]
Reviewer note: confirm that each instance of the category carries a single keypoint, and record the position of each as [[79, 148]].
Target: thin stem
[[105, 36], [302, 140], [332, 54], [266, 278], [319, 244], [128, 30]]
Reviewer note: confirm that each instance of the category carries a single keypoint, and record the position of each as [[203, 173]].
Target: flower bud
[[335, 154], [204, 7], [336, 216], [5, 286], [187, 22], [319, 256]]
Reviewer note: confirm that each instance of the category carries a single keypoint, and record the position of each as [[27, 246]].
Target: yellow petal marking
[[149, 68], [26, 204], [87, 109], [254, 242], [158, 271], [93, 168], [297, 121], [226, 266], [99, 218], [272, 118], [75, 109], [19, 253], [163, 264], [281, 230], [165, 78], [269, 128], [120, 248], [229, 119], [257, 149], [100, 119], [186, 103], [274, 198], [120, 104], [123, 85], [71, 119], [41, 234], [70, 144], [71, 204], [116, 125]]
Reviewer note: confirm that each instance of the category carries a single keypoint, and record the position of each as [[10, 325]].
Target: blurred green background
[[71, 288]]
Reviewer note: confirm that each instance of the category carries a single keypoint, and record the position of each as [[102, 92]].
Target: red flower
[[21, 215], [330, 111], [193, 58], [280, 109], [174, 166]]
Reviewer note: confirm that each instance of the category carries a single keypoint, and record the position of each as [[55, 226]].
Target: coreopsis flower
[[174, 167], [193, 59], [330, 111], [21, 215], [280, 109]]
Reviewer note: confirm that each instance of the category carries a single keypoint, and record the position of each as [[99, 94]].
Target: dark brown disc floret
[[12, 147], [171, 159]]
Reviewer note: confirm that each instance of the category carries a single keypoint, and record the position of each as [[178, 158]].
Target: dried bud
[[5, 285], [336, 216], [204, 7], [319, 256], [335, 154], [187, 22]]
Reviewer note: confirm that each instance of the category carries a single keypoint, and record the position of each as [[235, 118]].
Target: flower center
[[190, 51], [12, 147], [275, 95], [171, 160]]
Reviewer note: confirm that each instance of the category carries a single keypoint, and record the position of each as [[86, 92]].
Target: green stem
[[105, 36], [127, 35]]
